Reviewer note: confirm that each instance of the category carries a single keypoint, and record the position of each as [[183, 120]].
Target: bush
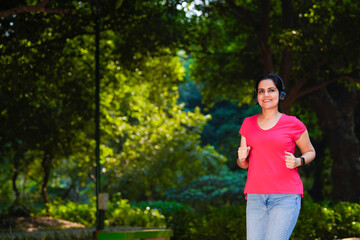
[[211, 223], [84, 213], [119, 213], [221, 223], [320, 221], [213, 190], [326, 221], [178, 216]]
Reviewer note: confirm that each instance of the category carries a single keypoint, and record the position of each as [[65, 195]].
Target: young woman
[[273, 188]]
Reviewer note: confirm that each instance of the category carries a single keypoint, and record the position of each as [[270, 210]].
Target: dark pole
[[99, 213]]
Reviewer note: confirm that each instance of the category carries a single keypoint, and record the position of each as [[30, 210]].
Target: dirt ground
[[32, 224]]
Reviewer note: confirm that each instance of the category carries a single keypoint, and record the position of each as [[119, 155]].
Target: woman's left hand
[[291, 161]]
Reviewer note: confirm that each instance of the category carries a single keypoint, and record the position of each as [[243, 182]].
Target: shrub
[[347, 222], [178, 216], [320, 221], [83, 213], [221, 223], [326, 221], [119, 213], [226, 222], [213, 190]]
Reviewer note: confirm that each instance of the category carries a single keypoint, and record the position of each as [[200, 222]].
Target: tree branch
[[263, 32], [209, 53], [242, 13], [261, 29], [40, 7], [324, 84], [288, 23], [287, 13]]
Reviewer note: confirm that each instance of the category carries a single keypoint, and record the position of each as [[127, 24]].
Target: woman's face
[[268, 94]]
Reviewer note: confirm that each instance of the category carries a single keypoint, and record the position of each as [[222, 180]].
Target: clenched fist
[[290, 160], [244, 150]]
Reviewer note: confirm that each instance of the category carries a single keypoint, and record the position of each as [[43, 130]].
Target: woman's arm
[[307, 151]]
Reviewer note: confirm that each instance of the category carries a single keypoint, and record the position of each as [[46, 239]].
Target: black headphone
[[273, 76]]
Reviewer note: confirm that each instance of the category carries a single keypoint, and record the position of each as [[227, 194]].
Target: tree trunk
[[15, 175], [337, 120], [317, 167], [16, 161], [46, 164], [15, 189]]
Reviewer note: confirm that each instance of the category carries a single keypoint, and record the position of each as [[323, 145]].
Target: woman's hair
[[279, 83]]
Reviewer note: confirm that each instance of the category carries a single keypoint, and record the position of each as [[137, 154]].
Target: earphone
[[273, 76]]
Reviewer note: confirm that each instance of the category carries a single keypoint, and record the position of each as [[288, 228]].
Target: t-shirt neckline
[[257, 124]]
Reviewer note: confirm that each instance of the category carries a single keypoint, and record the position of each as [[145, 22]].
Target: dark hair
[[279, 83]]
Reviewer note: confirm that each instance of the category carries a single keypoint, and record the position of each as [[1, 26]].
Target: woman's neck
[[269, 114]]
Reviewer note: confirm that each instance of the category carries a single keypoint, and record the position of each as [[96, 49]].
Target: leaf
[[118, 4]]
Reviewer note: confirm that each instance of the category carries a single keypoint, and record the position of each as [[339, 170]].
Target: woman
[[273, 188]]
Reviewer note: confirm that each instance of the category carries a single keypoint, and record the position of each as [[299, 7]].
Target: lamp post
[[99, 212]]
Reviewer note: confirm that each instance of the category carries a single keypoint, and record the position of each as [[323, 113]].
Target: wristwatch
[[302, 161]]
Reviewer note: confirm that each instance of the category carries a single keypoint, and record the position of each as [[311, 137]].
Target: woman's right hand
[[244, 150], [243, 153]]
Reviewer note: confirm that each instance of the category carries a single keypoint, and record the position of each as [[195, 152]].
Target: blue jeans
[[271, 216]]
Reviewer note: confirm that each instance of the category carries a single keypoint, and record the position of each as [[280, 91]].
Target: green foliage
[[222, 131], [220, 223], [84, 213], [119, 213], [224, 62], [303, 110], [165, 207], [328, 221], [311, 44], [153, 143], [148, 142], [6, 197], [316, 221], [47, 99], [225, 189], [178, 216], [226, 222], [5, 190]]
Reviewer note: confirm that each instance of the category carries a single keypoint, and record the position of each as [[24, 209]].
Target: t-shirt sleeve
[[243, 127], [298, 128]]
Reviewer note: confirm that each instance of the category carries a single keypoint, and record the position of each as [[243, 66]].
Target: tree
[[152, 143], [312, 45], [40, 79], [12, 9], [50, 72], [41, 114]]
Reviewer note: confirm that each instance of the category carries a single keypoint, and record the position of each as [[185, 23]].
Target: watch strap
[[302, 161]]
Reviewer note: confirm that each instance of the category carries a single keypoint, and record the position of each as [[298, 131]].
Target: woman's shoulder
[[292, 119], [251, 118], [248, 123]]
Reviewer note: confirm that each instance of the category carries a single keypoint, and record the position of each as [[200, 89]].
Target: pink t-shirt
[[267, 172]]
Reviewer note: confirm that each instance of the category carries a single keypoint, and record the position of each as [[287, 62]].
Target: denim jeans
[[271, 216]]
